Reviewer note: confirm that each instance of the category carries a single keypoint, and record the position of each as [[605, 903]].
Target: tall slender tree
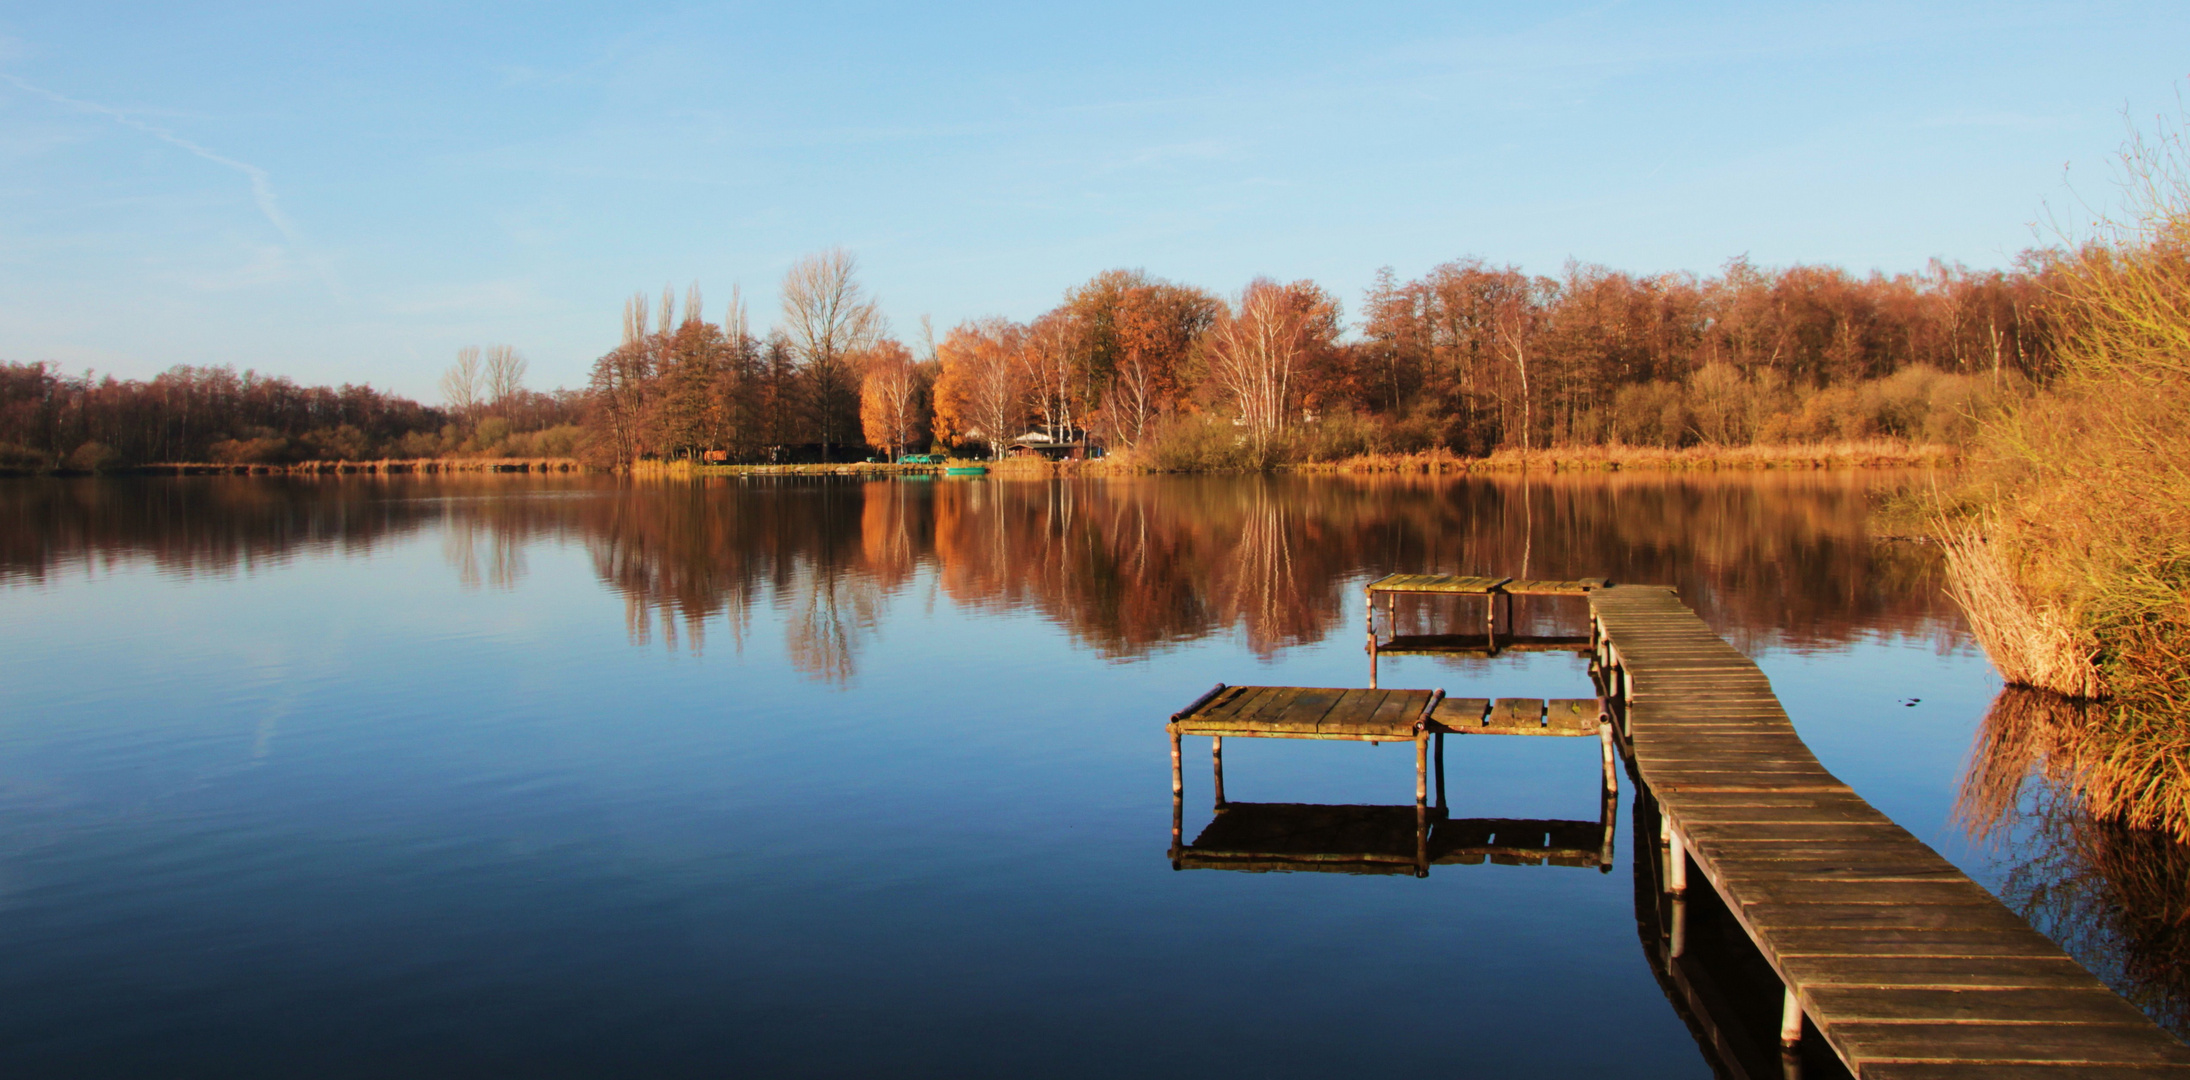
[[830, 321]]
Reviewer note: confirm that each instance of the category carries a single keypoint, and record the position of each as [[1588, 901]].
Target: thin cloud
[[262, 187]]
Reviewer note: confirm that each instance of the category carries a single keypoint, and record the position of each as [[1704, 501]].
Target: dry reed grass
[[1851, 454], [449, 464], [2031, 643]]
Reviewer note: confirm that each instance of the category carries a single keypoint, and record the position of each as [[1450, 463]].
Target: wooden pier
[[1903, 965]]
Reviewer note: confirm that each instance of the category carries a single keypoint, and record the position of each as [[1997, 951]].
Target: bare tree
[[460, 385], [635, 318], [505, 373], [1262, 350], [830, 321], [1515, 327], [1047, 360]]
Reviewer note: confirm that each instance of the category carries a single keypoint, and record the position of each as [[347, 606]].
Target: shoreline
[[1873, 454]]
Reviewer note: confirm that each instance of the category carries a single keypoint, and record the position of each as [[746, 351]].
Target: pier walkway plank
[[1906, 967]]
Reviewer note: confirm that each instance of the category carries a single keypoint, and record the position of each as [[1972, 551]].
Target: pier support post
[[1611, 756], [1216, 762], [1421, 769], [1178, 776], [1440, 770], [1676, 861], [1677, 927], [1421, 841], [1369, 611], [1790, 1019], [1609, 813], [1178, 821]]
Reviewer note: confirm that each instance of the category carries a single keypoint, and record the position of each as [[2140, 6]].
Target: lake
[[827, 777]]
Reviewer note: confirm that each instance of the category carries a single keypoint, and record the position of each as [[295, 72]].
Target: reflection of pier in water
[[1311, 838]]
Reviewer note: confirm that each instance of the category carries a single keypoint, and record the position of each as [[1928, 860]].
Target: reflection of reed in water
[[2045, 785], [2121, 761], [2026, 734]]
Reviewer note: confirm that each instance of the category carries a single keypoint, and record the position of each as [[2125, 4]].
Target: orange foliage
[[889, 398]]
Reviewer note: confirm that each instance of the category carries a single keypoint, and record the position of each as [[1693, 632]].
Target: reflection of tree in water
[[1127, 566], [2116, 898], [194, 526], [505, 558]]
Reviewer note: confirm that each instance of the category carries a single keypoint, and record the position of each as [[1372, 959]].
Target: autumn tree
[[891, 399], [1134, 336], [980, 393], [693, 410], [621, 388]]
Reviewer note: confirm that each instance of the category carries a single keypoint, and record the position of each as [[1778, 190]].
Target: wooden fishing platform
[[1903, 965], [1361, 839], [1493, 590]]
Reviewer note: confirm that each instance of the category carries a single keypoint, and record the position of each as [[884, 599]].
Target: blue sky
[[350, 193]]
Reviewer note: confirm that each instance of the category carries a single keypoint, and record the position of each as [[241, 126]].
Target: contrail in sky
[[262, 188]]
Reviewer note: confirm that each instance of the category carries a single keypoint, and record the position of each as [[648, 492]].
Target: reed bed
[[1852, 454], [378, 465], [2082, 492], [2031, 643]]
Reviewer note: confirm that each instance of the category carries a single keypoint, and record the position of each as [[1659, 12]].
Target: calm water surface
[[821, 777]]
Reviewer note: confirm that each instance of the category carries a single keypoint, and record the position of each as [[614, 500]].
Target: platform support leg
[[1421, 841], [1676, 863], [1677, 927], [1368, 606], [1421, 769], [1610, 815], [1440, 770], [1178, 777], [1611, 756], [1178, 820], [1216, 763], [1790, 1019]]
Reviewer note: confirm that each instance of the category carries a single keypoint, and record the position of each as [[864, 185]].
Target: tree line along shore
[[1468, 363]]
